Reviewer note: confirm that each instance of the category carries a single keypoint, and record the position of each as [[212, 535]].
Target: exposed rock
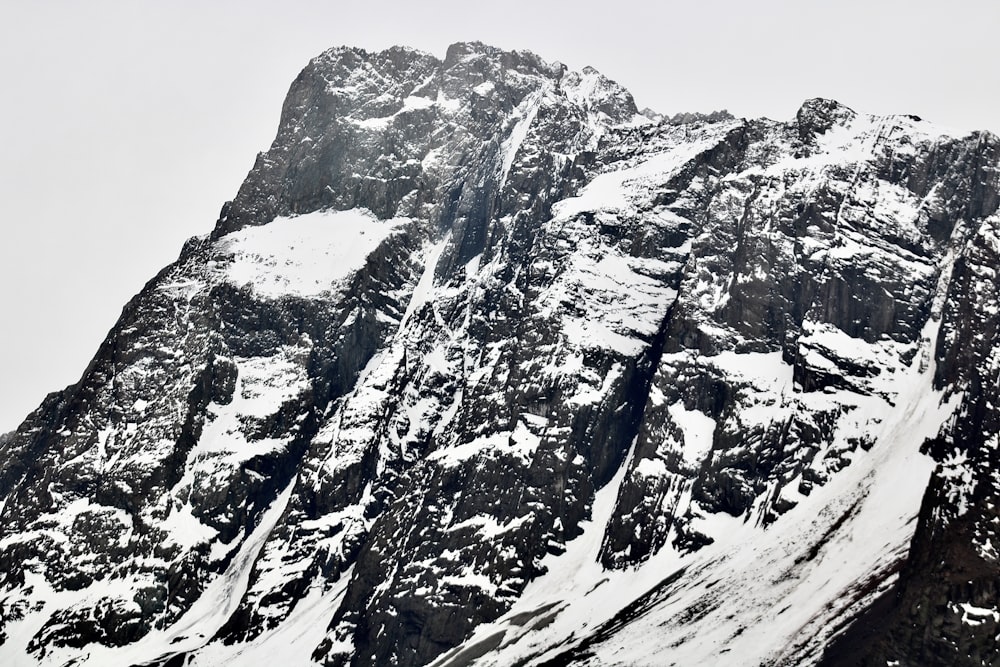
[[685, 117], [483, 366]]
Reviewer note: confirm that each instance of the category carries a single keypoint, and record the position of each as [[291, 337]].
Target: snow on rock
[[303, 255], [752, 597], [616, 191], [481, 367], [192, 630]]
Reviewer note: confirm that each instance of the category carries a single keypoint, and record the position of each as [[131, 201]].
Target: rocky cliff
[[483, 366]]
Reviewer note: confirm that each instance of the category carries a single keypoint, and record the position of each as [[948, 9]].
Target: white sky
[[126, 125]]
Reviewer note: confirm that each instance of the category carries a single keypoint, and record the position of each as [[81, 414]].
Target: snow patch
[[615, 190], [304, 255], [291, 643], [525, 113], [698, 429]]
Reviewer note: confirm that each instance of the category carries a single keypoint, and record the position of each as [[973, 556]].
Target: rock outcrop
[[483, 366]]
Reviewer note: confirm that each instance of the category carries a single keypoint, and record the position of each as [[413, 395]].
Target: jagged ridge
[[480, 358]]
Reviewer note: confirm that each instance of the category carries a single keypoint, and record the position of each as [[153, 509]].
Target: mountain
[[482, 366]]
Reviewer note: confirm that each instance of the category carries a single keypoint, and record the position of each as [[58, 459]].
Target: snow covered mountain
[[481, 366]]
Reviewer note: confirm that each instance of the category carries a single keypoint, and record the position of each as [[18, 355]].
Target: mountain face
[[481, 366]]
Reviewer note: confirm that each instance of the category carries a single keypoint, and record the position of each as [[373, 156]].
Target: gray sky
[[126, 125]]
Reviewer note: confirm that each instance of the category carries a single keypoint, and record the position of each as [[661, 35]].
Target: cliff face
[[483, 366]]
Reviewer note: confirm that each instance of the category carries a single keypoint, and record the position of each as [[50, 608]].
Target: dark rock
[[721, 317]]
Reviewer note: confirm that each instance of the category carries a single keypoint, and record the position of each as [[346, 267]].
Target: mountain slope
[[483, 366]]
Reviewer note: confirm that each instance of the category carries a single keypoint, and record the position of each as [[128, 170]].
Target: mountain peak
[[480, 367], [817, 115], [396, 99]]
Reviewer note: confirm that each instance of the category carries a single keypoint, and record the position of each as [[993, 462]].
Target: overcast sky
[[126, 125]]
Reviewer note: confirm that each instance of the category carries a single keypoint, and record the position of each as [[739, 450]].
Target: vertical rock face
[[944, 609], [481, 366]]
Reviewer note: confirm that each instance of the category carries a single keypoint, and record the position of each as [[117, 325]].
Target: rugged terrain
[[483, 366]]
